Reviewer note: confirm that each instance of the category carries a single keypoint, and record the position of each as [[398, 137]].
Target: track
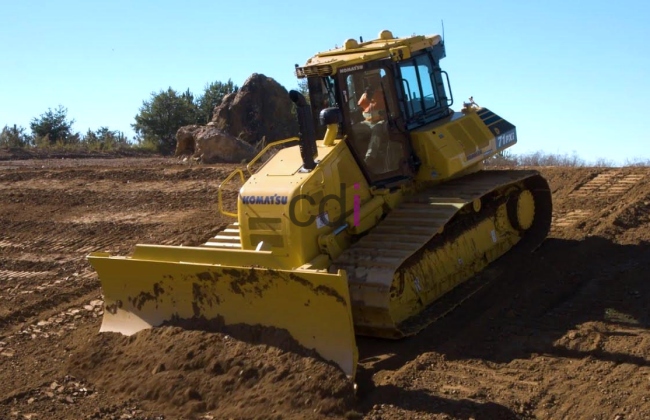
[[408, 248], [561, 333]]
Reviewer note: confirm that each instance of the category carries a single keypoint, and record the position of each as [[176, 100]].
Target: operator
[[374, 127], [372, 102]]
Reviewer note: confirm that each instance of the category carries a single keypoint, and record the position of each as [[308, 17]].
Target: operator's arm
[[363, 101]]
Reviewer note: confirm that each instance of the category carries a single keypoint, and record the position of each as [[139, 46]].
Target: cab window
[[417, 83]]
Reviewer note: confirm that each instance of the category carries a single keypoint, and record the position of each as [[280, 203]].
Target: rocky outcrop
[[185, 143], [258, 113], [260, 108]]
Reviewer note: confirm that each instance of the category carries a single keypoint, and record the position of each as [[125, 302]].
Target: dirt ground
[[563, 333]]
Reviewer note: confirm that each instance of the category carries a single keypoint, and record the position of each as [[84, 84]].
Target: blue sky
[[573, 76]]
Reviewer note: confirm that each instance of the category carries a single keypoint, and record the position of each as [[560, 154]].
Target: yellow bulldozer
[[379, 207]]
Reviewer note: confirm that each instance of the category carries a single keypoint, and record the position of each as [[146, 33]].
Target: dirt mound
[[192, 372], [609, 202]]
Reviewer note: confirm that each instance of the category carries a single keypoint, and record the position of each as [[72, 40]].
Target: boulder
[[260, 112], [208, 144], [185, 142], [216, 146], [260, 108]]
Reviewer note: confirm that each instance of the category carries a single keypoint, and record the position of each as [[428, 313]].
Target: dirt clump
[[191, 373]]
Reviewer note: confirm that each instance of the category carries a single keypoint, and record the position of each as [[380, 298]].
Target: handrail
[[248, 168], [449, 86], [225, 181], [268, 146]]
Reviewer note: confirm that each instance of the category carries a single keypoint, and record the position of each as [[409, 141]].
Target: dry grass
[[541, 158]]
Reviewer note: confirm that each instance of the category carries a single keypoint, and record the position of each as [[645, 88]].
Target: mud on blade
[[313, 307]]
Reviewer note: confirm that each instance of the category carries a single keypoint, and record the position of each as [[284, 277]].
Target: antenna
[[442, 22]]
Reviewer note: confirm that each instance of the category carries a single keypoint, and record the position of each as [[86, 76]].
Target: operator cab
[[381, 102]]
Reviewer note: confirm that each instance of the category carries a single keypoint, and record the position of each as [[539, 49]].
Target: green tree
[[160, 118], [303, 87], [15, 137], [90, 139], [104, 134], [54, 126], [104, 139], [212, 96]]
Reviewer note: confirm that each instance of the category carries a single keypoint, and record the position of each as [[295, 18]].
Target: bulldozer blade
[[313, 307]]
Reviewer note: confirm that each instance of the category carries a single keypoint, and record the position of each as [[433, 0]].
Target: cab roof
[[354, 53]]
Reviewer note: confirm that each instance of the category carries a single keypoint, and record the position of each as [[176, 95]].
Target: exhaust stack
[[308, 149]]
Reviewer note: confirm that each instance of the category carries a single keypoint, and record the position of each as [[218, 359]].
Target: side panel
[[459, 144]]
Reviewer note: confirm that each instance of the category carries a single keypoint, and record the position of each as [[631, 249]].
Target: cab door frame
[[396, 125]]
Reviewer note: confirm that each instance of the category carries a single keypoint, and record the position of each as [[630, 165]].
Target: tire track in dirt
[[562, 333], [54, 215], [51, 220], [606, 187]]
